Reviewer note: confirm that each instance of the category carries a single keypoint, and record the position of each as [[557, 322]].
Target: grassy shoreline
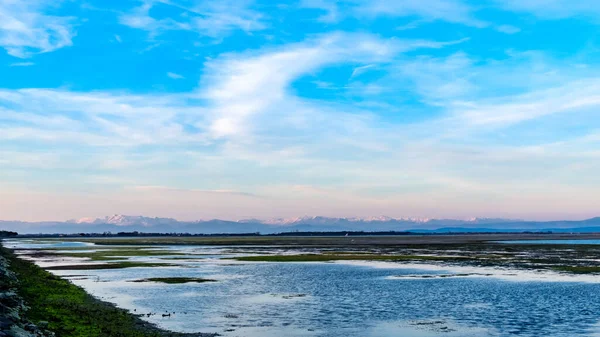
[[72, 312]]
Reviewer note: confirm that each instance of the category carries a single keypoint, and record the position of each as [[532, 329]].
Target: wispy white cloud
[[455, 11], [175, 76], [508, 29], [426, 11], [440, 79], [410, 25], [215, 19], [25, 29], [332, 14], [22, 64], [218, 18], [362, 69], [554, 9], [502, 111], [98, 119], [25, 160], [140, 18], [460, 78], [191, 190], [240, 87]]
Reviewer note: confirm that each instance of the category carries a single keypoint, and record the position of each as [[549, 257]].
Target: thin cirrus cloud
[[240, 87], [213, 19], [236, 88], [175, 76], [25, 30], [22, 64], [454, 11], [554, 9], [508, 29]]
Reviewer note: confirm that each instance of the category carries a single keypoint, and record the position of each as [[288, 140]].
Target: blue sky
[[200, 109]]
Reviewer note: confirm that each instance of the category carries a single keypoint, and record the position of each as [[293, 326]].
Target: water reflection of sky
[[39, 244], [553, 242], [373, 299]]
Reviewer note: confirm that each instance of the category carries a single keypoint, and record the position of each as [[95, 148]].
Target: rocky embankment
[[13, 321], [60, 308]]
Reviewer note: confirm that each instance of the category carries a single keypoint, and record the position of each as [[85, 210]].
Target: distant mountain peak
[[125, 220], [323, 219], [82, 220]]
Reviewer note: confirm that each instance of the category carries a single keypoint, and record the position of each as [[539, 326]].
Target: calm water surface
[[347, 299], [553, 242]]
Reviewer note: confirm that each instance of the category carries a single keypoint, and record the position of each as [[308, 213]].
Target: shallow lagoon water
[[349, 299], [38, 244]]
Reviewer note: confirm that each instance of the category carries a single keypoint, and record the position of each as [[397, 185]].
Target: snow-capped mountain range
[[125, 220], [129, 220], [127, 223], [291, 221]]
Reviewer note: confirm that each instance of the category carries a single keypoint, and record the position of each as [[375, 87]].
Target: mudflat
[[325, 241]]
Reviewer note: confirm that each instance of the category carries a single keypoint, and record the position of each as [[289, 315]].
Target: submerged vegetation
[[116, 265], [578, 269], [519, 260], [69, 311], [175, 280], [345, 257], [104, 254]]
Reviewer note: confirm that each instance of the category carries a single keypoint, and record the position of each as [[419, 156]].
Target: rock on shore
[[13, 322]]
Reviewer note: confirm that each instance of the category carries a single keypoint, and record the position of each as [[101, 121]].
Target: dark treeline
[[8, 234]]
